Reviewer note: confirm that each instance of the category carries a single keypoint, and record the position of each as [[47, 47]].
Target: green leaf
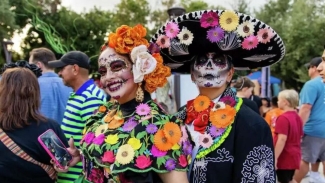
[[132, 133], [136, 154], [142, 149], [160, 161], [97, 148], [178, 153], [91, 147], [106, 146], [115, 146], [151, 138], [122, 136], [117, 164], [141, 135], [145, 122]]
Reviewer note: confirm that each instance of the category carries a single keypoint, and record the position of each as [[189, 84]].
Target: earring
[[139, 95]]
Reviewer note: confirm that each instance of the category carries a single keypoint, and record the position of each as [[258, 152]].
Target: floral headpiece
[[248, 41], [148, 64]]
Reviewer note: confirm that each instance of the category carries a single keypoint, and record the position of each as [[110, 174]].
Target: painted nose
[[209, 65]]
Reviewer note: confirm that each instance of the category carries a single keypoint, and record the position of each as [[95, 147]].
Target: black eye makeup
[[102, 70], [113, 64]]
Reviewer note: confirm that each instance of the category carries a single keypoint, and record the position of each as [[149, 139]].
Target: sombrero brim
[[246, 50]]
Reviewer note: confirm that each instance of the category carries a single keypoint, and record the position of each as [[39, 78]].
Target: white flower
[[245, 29], [144, 64], [136, 50], [185, 36], [218, 105]]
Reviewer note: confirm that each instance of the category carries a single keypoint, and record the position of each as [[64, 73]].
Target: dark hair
[[243, 82], [267, 100], [43, 55], [19, 99], [24, 64], [274, 101]]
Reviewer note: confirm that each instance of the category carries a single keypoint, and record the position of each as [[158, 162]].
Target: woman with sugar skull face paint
[[232, 143], [130, 139]]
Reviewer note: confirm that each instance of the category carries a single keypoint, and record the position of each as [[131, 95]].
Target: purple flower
[[228, 100], [215, 132], [187, 148], [99, 140], [151, 128], [154, 48], [89, 137], [215, 34], [129, 125], [170, 164], [208, 84]]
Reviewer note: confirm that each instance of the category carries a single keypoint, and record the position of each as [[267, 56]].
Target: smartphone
[[55, 148]]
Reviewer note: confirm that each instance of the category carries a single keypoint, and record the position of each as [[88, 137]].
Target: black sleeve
[[254, 151], [252, 105]]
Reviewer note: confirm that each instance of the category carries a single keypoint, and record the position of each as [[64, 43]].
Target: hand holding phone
[[55, 148]]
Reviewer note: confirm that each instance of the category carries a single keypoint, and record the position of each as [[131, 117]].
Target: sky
[[84, 5]]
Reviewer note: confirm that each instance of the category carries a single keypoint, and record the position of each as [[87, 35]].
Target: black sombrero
[[249, 42]]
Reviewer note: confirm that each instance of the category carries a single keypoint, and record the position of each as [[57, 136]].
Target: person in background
[[21, 121], [273, 114], [266, 106], [84, 100], [258, 102], [244, 88], [54, 94], [287, 137], [312, 112]]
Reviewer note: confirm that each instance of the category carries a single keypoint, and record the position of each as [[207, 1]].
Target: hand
[[75, 153]]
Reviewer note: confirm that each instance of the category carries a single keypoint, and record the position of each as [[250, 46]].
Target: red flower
[[143, 162], [182, 161], [96, 176], [108, 157]]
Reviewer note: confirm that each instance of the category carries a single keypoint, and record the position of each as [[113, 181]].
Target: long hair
[[19, 99]]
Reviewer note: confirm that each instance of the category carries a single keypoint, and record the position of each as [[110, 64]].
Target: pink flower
[[89, 137], [171, 30], [143, 109], [99, 140], [215, 34], [96, 176], [143, 162], [182, 161], [209, 19], [163, 41], [108, 157], [250, 42], [184, 134], [205, 140], [156, 152], [264, 35], [228, 100]]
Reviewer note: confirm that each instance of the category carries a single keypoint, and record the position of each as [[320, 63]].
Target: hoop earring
[[139, 95]]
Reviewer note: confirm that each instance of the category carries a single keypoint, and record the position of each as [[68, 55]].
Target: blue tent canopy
[[258, 75]]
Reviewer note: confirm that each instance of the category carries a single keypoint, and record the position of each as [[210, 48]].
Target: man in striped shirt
[[74, 69]]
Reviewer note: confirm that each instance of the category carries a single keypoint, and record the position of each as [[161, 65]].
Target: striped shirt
[[80, 106]]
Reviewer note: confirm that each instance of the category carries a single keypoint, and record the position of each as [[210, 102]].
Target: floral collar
[[213, 120]]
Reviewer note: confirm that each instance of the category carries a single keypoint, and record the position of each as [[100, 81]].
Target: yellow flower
[[101, 129], [111, 139], [229, 20], [125, 154], [135, 143], [84, 131], [176, 147]]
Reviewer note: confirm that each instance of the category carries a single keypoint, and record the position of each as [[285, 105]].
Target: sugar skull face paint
[[116, 75], [210, 70]]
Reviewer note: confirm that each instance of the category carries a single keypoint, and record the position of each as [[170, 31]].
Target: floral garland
[[218, 27], [201, 110], [147, 64]]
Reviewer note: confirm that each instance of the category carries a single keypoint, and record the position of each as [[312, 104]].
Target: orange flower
[[112, 38], [172, 132], [117, 121], [161, 142], [222, 118], [109, 116], [201, 103], [102, 109], [140, 30]]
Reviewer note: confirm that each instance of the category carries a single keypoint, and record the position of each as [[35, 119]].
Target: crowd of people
[[116, 133]]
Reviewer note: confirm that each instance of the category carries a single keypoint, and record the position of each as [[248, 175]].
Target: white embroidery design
[[200, 165], [259, 166]]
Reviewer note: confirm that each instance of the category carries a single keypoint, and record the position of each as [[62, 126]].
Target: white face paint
[[210, 70]]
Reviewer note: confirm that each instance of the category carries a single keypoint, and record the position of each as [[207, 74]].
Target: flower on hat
[[163, 41], [264, 35], [215, 34], [209, 19], [185, 36], [250, 42], [229, 20], [245, 29], [171, 30]]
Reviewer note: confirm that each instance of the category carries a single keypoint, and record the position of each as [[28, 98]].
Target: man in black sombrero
[[233, 144]]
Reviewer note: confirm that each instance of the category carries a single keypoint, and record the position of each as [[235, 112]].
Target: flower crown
[[147, 62], [218, 27]]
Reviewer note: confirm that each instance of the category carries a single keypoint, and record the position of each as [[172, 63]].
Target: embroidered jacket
[[133, 142], [236, 147]]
